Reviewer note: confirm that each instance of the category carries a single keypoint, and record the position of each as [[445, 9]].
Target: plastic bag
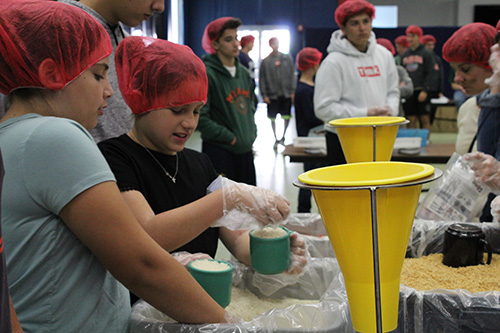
[[443, 310], [456, 196], [322, 281]]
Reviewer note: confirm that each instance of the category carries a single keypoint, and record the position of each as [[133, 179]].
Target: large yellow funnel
[[354, 200], [358, 135]]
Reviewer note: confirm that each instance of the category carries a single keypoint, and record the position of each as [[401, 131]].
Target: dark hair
[[233, 23]]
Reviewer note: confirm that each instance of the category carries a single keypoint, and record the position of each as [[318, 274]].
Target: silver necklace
[[161, 166]]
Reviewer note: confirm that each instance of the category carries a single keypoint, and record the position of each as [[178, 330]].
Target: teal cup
[[269, 253], [215, 276]]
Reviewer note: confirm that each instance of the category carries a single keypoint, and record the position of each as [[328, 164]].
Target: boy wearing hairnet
[[227, 123], [112, 14]]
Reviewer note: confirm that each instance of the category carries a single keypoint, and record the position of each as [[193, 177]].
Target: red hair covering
[[402, 40], [157, 74], [471, 43], [308, 57], [33, 31], [213, 31], [427, 39], [415, 30], [387, 44], [351, 8], [498, 25], [246, 40]]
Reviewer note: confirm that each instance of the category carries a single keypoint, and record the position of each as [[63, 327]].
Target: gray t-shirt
[[56, 283], [117, 118]]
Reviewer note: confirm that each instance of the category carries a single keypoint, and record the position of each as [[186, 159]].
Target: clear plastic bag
[[456, 196], [322, 281]]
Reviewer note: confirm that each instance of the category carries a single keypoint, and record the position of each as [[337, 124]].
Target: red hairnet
[[213, 31], [156, 74], [246, 40], [471, 43], [351, 8], [32, 31], [498, 25], [402, 40], [415, 30], [308, 57], [427, 39], [387, 44]]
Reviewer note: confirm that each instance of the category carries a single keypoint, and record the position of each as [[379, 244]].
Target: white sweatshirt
[[349, 82]]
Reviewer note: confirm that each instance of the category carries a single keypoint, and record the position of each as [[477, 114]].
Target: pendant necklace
[[154, 158]]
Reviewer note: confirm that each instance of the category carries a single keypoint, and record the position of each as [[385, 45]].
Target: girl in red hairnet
[[165, 85], [72, 244], [468, 51], [477, 69]]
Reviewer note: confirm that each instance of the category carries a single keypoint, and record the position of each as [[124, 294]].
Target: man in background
[[227, 123], [421, 65], [116, 119], [358, 78], [401, 47], [277, 86]]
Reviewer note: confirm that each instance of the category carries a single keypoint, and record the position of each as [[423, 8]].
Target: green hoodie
[[230, 107]]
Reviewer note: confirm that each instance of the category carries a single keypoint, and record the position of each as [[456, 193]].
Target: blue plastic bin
[[414, 132]]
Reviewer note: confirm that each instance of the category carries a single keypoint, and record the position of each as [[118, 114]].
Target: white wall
[[430, 13], [466, 9]]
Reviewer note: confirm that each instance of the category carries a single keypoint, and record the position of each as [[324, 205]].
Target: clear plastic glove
[[267, 206], [495, 209], [298, 254], [486, 170], [232, 319], [184, 258], [380, 111], [494, 61]]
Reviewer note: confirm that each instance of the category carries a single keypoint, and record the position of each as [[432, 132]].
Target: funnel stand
[[374, 143], [376, 264]]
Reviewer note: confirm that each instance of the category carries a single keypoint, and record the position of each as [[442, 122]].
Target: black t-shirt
[[5, 325], [305, 119], [135, 169]]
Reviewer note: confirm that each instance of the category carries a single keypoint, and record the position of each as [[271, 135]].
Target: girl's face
[[471, 77], [85, 97], [168, 130]]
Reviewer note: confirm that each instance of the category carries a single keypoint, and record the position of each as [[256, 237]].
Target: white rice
[[210, 265], [269, 232], [247, 306]]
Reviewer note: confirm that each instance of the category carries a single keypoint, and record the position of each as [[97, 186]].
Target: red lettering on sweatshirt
[[413, 59], [233, 94], [369, 71]]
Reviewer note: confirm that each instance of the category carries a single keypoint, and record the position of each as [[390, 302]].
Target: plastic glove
[[298, 254], [380, 111], [494, 61], [184, 258], [232, 319], [265, 205], [486, 170], [495, 209]]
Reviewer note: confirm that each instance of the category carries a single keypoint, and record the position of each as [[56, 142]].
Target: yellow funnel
[[356, 136], [344, 195]]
